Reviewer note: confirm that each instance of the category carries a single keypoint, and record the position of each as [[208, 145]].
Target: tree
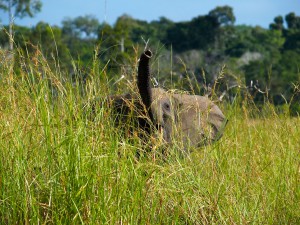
[[81, 27], [178, 36], [293, 21], [80, 36], [161, 27], [224, 18], [292, 34], [199, 33], [292, 40], [49, 40], [106, 35], [122, 30], [19, 8], [278, 23], [223, 14]]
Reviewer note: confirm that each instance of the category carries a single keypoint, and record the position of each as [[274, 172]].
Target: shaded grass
[[59, 167]]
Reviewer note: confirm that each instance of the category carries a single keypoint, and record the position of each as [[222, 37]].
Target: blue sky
[[249, 12]]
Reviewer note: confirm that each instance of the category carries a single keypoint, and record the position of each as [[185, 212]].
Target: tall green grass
[[59, 166]]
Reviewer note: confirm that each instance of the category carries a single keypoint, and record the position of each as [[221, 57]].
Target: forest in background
[[263, 61]]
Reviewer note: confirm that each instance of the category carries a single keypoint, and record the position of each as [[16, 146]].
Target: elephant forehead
[[157, 92], [196, 107], [159, 96], [194, 101]]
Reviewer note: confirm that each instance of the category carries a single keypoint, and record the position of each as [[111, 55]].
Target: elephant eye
[[167, 106]]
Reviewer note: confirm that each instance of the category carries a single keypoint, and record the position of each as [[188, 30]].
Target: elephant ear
[[187, 128], [218, 121]]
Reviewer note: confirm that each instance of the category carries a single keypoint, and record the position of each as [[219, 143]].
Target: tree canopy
[[19, 8], [199, 47]]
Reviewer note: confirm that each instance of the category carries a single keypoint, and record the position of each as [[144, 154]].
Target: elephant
[[192, 120]]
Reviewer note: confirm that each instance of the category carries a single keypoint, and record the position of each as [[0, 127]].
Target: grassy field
[[57, 166]]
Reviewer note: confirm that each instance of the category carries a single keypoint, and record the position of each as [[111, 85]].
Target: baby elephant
[[192, 120]]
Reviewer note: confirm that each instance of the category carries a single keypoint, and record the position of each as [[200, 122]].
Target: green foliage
[[199, 33], [81, 27], [278, 23], [186, 51], [21, 8], [18, 8], [293, 21], [223, 14], [292, 40]]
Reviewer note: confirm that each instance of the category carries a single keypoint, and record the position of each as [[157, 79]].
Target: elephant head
[[195, 120]]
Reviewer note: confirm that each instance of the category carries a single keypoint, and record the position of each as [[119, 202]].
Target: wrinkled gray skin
[[194, 120], [188, 119]]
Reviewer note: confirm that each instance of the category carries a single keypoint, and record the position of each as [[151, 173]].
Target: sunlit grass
[[59, 166]]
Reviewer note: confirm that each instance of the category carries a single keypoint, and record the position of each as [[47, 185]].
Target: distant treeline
[[263, 59]]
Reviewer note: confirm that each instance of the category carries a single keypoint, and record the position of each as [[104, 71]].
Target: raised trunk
[[143, 81]]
